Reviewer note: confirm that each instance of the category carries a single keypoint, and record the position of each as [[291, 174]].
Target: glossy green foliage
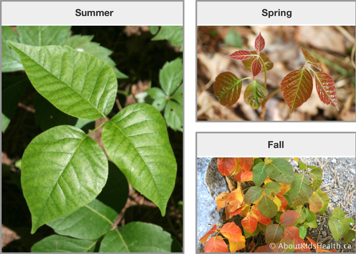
[[85, 43], [88, 222], [60, 75], [254, 93], [339, 225], [62, 170], [174, 34], [12, 90], [300, 191], [170, 97], [57, 243], [137, 237], [43, 35], [136, 140], [280, 170], [10, 61]]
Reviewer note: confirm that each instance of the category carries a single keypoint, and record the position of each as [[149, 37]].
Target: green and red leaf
[[256, 67], [315, 204], [291, 232], [254, 93], [248, 62], [227, 88], [326, 89], [249, 223], [240, 55], [216, 244], [288, 217], [260, 217], [310, 59], [274, 233], [206, 236], [259, 43], [297, 87]]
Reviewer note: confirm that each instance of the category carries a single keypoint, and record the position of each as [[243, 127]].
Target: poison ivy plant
[[64, 172], [296, 87], [276, 202], [174, 34], [170, 98]]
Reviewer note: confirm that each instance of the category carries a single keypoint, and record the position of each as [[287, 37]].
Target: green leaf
[[171, 33], [302, 166], [43, 35], [10, 61], [300, 209], [173, 114], [62, 170], [253, 194], [156, 93], [77, 83], [137, 237], [85, 125], [48, 116], [233, 38], [84, 43], [272, 187], [317, 175], [254, 93], [136, 140], [300, 190], [335, 228], [58, 243], [278, 217], [350, 219], [178, 95], [310, 216], [338, 213], [12, 90], [171, 76], [274, 233], [247, 234], [88, 222], [349, 236], [302, 232], [267, 207], [339, 224], [310, 224], [280, 170], [325, 200], [227, 88], [154, 29], [259, 173], [160, 104], [116, 190]]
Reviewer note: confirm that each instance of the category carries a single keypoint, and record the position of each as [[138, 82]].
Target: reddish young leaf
[[274, 233], [326, 89], [315, 204], [248, 62], [256, 67], [235, 246], [206, 236], [227, 87], [227, 165], [288, 217], [240, 55], [284, 203], [291, 232], [259, 43], [221, 200], [249, 223], [232, 232], [310, 59], [260, 217], [246, 163], [246, 176], [216, 244], [297, 87]]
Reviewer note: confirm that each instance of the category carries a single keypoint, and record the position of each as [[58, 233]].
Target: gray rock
[[210, 183]]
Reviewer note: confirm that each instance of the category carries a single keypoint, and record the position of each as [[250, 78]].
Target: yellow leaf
[[235, 246], [295, 159], [245, 210], [267, 180], [277, 201]]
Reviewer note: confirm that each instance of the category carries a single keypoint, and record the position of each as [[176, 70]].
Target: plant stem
[[246, 78], [273, 93], [263, 104], [97, 127], [265, 70]]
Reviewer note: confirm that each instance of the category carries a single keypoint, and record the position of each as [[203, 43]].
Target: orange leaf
[[291, 232], [260, 217], [246, 163], [216, 244], [227, 165], [238, 176], [238, 211], [206, 236], [232, 232], [235, 199], [235, 246], [315, 204], [249, 223], [284, 188], [221, 200], [316, 247], [246, 176], [265, 248], [300, 245], [288, 218], [284, 202]]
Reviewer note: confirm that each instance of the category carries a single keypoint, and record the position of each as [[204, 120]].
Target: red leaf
[[248, 62], [315, 204], [249, 223], [227, 165], [297, 87], [246, 176], [227, 87], [216, 244], [288, 218], [259, 43], [291, 232], [300, 245], [310, 59], [284, 203], [246, 163], [316, 247], [256, 67], [260, 217], [265, 248], [241, 55], [238, 176], [206, 236], [274, 233], [326, 89], [232, 232]]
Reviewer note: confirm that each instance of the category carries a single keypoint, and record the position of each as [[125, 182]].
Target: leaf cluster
[[279, 203]]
